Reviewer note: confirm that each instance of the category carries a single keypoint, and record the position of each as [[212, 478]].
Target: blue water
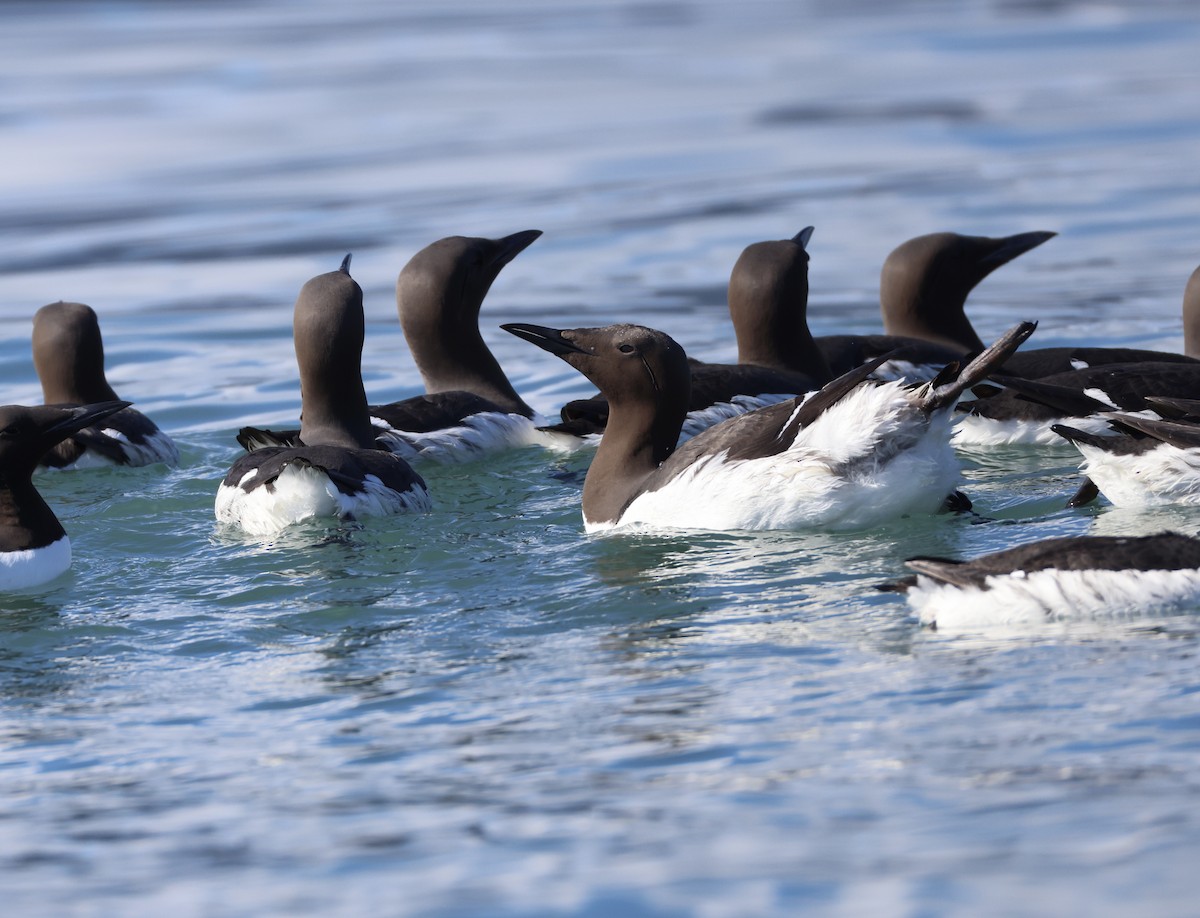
[[484, 711]]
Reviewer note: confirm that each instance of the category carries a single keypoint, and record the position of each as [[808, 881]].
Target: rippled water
[[484, 711]]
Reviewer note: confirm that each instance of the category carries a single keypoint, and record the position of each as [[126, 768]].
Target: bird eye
[[626, 348]]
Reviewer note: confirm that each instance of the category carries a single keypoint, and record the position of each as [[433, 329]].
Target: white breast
[[34, 566], [1044, 596], [302, 493]]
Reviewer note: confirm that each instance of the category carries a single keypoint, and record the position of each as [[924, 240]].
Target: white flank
[[302, 493], [870, 458], [476, 435], [32, 567], [1048, 596], [697, 421], [1163, 475]]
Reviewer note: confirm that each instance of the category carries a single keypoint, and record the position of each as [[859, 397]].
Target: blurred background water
[[483, 711]]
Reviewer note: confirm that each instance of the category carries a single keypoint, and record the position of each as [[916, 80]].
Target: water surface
[[484, 711]]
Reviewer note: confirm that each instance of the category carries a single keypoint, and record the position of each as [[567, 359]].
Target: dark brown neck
[[638, 439]]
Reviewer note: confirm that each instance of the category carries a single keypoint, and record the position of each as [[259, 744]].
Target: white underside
[[871, 458], [1163, 475], [34, 566], [158, 448], [304, 493], [973, 430], [1047, 596], [476, 435]]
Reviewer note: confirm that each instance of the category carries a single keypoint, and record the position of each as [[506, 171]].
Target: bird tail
[[940, 394]]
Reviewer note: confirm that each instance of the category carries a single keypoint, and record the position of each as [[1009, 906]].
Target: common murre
[[851, 455], [1058, 578], [1026, 410], [337, 469], [777, 357], [34, 547], [68, 355], [1147, 463], [923, 290], [469, 405]]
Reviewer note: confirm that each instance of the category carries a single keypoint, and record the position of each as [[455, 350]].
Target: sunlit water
[[483, 711]]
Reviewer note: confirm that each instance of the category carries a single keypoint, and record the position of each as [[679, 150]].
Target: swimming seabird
[[336, 469], [777, 357], [469, 405], [854, 454], [68, 355], [34, 547], [1068, 577]]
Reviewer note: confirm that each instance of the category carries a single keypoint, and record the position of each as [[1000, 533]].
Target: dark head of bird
[[925, 282], [68, 354], [438, 296], [768, 302], [328, 329], [642, 372]]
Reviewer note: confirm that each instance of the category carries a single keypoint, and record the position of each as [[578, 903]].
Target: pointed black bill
[[802, 237], [1012, 246], [511, 246], [78, 418], [548, 339]]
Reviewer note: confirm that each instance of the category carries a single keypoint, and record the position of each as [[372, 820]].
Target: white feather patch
[[1163, 475], [973, 430], [302, 493], [32, 567], [906, 371], [475, 436], [1046, 596]]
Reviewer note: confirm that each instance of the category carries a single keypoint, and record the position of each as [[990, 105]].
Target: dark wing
[[1062, 395], [712, 384], [255, 438], [420, 414], [1047, 361], [427, 413], [346, 468], [1176, 409], [131, 423], [716, 383], [1118, 445], [845, 352], [1182, 434], [765, 432]]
